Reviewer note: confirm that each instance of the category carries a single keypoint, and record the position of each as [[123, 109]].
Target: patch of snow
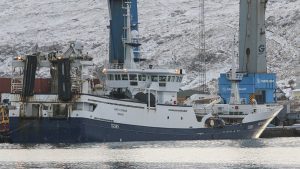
[[168, 29]]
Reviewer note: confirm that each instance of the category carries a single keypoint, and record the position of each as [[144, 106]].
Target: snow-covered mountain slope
[[169, 31]]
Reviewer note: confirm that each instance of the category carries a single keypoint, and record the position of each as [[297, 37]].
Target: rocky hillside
[[169, 31]]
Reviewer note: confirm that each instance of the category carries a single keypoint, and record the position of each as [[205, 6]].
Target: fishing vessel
[[130, 103]]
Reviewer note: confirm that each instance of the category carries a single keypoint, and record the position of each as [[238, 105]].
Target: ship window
[[117, 77], [132, 77], [169, 78], [172, 78], [124, 77], [92, 107], [154, 78], [142, 77], [199, 118], [162, 78], [180, 79], [110, 77], [162, 84], [85, 106], [79, 106], [133, 83]]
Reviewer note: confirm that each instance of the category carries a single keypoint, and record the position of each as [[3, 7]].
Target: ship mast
[[127, 41], [202, 54]]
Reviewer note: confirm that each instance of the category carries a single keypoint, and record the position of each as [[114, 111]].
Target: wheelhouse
[[162, 83]]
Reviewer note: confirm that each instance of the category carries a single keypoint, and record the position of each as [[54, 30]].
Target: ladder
[[16, 85], [4, 119]]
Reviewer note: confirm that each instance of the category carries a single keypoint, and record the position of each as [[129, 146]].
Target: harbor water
[[255, 153]]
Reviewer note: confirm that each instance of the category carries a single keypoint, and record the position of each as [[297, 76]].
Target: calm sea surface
[[260, 153]]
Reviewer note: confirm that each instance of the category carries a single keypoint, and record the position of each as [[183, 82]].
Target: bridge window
[[124, 77], [117, 77], [169, 78], [172, 79], [162, 78], [132, 77], [178, 78], [110, 77], [142, 77], [154, 78]]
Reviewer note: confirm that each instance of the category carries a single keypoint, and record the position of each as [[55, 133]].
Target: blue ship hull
[[80, 130]]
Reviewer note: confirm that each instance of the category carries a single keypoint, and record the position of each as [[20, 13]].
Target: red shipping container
[[42, 86], [5, 85]]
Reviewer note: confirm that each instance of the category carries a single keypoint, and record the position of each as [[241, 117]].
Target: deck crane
[[257, 83], [117, 26]]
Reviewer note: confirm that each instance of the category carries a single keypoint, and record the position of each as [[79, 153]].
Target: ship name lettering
[[177, 110], [115, 126], [122, 110]]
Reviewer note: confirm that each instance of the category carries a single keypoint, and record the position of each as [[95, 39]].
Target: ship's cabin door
[[60, 110]]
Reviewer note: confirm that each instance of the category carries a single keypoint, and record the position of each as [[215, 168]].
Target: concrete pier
[[281, 131]]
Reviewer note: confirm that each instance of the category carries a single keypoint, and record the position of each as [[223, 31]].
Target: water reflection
[[128, 165], [259, 153], [254, 143]]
